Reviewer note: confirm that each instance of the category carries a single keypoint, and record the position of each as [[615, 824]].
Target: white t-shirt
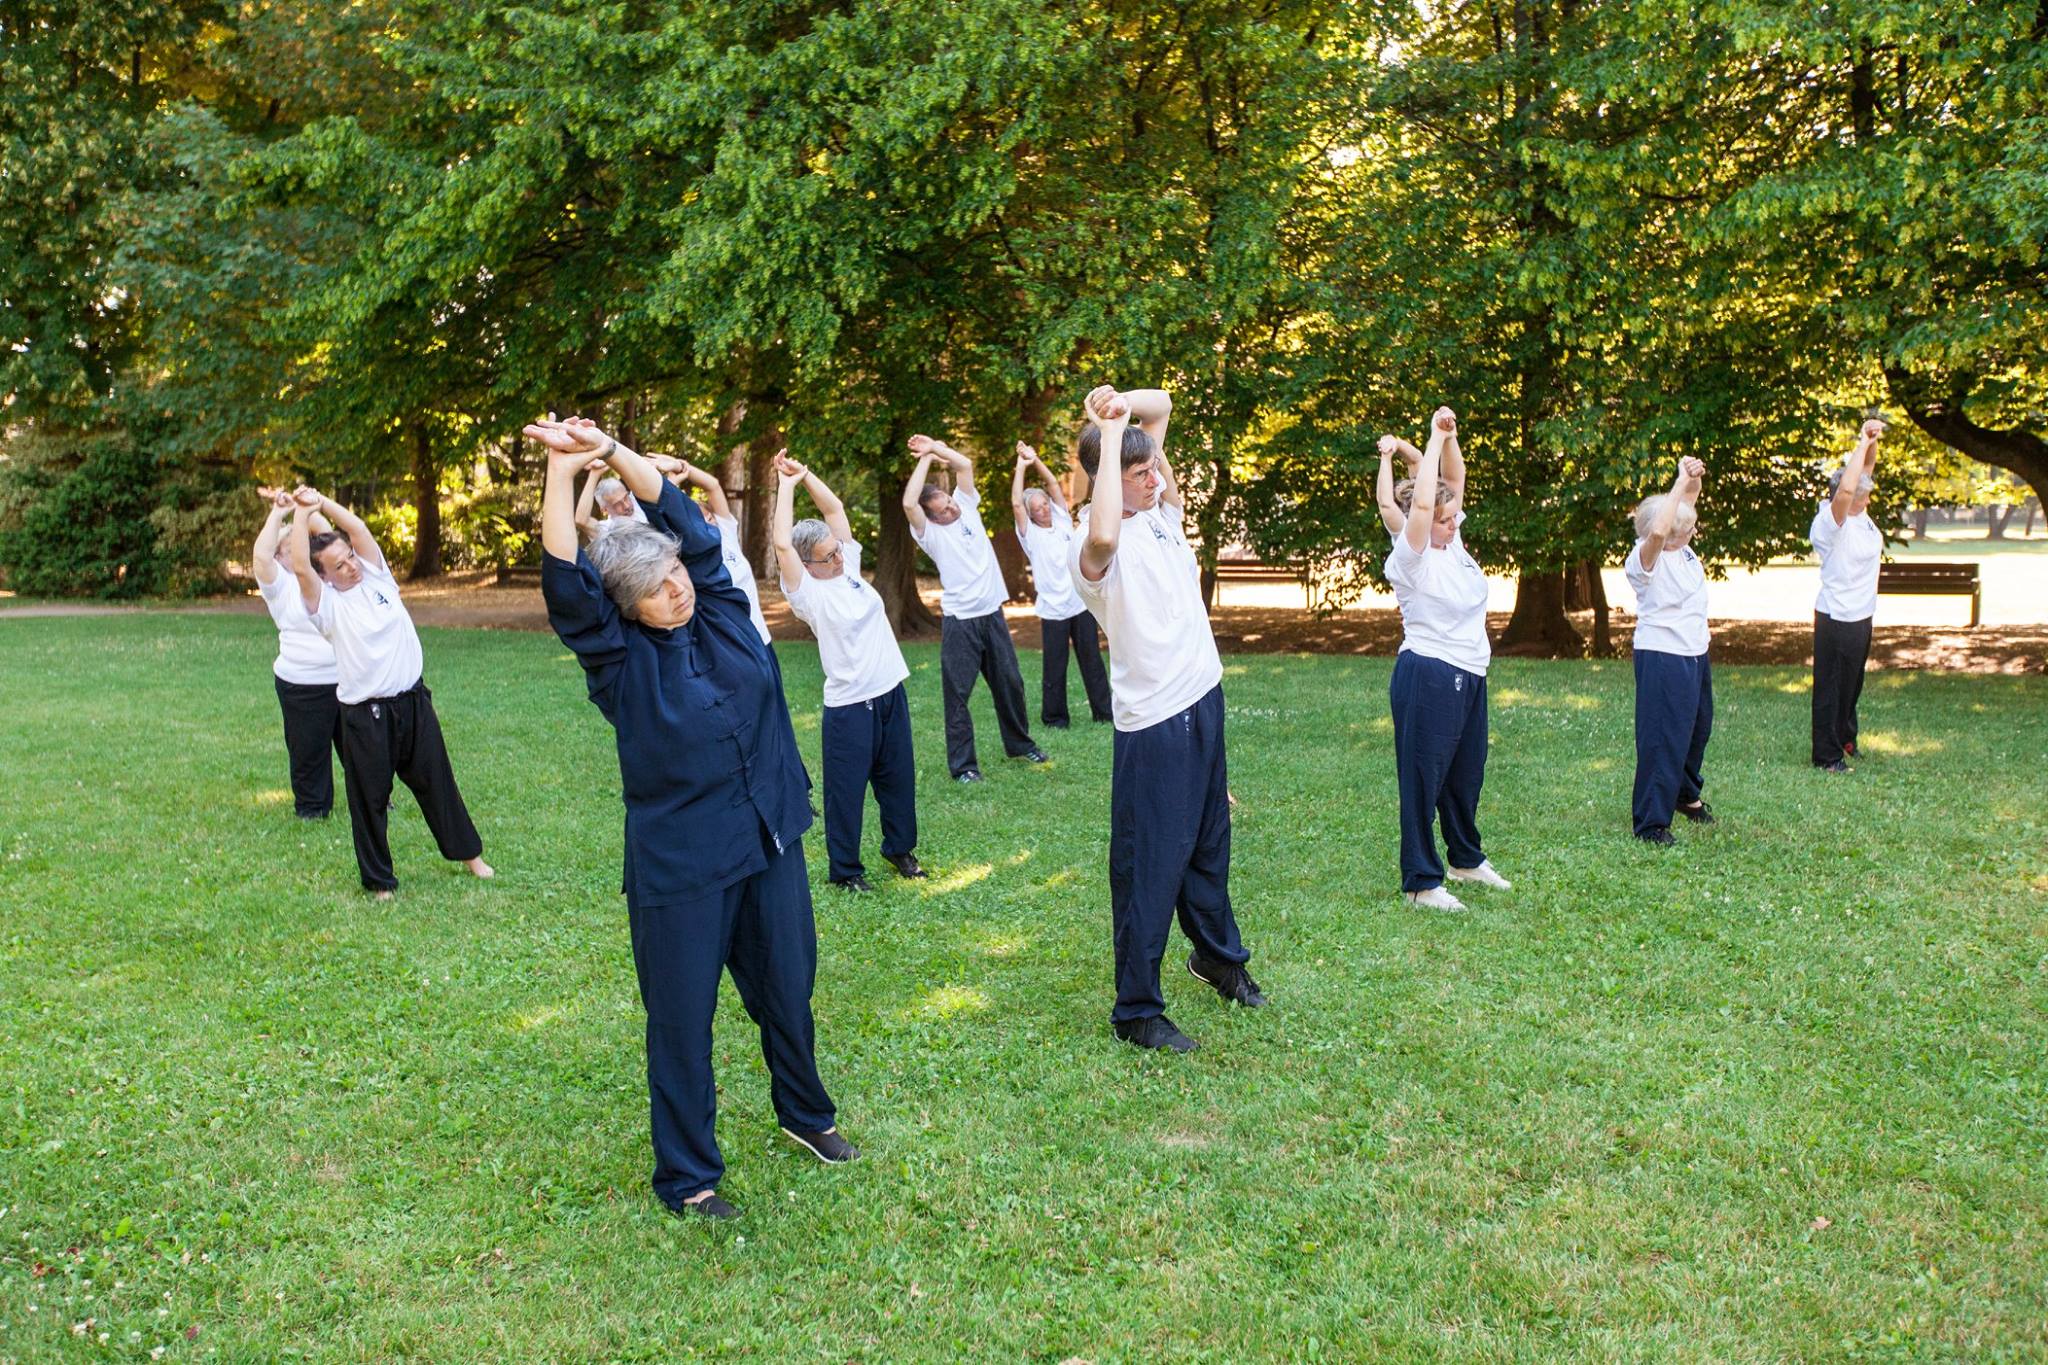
[[1671, 601], [303, 654], [1442, 596], [970, 581], [855, 645], [376, 650], [1050, 550], [1162, 654], [1849, 559], [742, 572]]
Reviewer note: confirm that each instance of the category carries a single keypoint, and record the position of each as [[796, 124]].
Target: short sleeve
[[1824, 530], [1632, 569], [274, 597], [322, 616], [585, 618], [850, 552], [967, 497], [1405, 562]]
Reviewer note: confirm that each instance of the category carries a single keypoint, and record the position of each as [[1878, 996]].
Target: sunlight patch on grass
[[1796, 687], [958, 878], [1570, 701], [1892, 743], [525, 1020], [949, 1002], [1061, 878], [271, 796], [1004, 945]]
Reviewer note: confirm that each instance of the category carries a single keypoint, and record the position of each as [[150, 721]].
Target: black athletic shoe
[[709, 1207], [1036, 755], [1156, 1032], [1659, 836], [906, 864], [1053, 724], [827, 1146], [1700, 813], [854, 883], [1835, 767], [969, 775], [1227, 979]]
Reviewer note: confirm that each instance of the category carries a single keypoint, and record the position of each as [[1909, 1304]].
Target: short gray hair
[[1648, 509], [1864, 483], [609, 487], [632, 560], [1039, 494], [807, 535]]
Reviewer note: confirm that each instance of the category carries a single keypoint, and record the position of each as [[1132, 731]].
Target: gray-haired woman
[[716, 804], [1850, 548], [1674, 682]]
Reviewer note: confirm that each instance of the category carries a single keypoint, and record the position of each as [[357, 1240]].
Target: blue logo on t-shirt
[[382, 600]]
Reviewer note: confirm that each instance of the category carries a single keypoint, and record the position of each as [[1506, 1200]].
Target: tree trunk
[[1539, 628], [755, 541], [1586, 591], [1938, 410], [2033, 504], [426, 502], [896, 558], [1919, 524], [1995, 518]]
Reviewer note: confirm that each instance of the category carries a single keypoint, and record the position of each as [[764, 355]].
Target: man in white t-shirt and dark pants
[[973, 636], [864, 730], [304, 671], [388, 725], [1851, 549], [1045, 528], [1169, 802]]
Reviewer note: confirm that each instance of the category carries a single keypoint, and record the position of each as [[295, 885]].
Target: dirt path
[[473, 601]]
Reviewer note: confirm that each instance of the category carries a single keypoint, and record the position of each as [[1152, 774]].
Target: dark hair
[[929, 494], [316, 543], [1138, 447]]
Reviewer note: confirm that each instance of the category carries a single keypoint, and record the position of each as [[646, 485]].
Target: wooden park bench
[[1241, 569], [1944, 579]]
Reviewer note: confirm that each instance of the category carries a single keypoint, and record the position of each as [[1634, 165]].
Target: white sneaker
[[1483, 874], [1436, 898]]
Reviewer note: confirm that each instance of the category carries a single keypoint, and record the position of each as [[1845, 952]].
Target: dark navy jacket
[[706, 753]]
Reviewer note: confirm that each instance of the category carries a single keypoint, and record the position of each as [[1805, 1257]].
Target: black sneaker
[[1659, 836], [1229, 980], [827, 1146], [1053, 724], [1835, 767], [968, 775], [711, 1206], [856, 882], [1036, 755], [906, 864], [1699, 812], [1157, 1032]]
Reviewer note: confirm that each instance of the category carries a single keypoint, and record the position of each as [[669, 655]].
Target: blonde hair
[[1404, 495]]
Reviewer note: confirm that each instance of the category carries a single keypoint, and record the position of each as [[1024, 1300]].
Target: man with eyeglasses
[[974, 638], [865, 726]]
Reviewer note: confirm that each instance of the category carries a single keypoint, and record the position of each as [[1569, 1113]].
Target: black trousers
[[761, 929], [1841, 649], [1674, 719], [312, 731], [1169, 850], [1054, 636], [1439, 764], [868, 744], [980, 645], [400, 736]]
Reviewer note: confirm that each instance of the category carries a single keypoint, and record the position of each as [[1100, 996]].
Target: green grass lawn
[[1779, 1092]]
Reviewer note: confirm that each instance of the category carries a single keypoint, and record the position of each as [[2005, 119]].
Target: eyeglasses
[[832, 558]]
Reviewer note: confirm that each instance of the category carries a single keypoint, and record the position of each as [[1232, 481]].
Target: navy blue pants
[[1169, 850], [1674, 717], [1439, 764], [761, 928], [1055, 637], [868, 744]]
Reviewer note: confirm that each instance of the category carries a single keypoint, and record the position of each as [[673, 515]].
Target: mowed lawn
[[1780, 1092]]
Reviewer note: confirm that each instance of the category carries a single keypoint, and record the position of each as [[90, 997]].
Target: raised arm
[[584, 519], [580, 436], [1025, 456], [1860, 464], [349, 524], [1052, 483], [1383, 484], [714, 491], [831, 510], [310, 586], [561, 509], [1685, 489], [263, 558], [1110, 414], [1422, 503], [788, 474], [926, 450], [1151, 409], [1452, 475]]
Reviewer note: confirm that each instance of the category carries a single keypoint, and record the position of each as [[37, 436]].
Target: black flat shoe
[[1227, 979], [827, 1146], [1053, 724], [1156, 1032], [1699, 812], [906, 865], [1835, 767], [1660, 837], [711, 1206], [854, 883], [1036, 755]]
